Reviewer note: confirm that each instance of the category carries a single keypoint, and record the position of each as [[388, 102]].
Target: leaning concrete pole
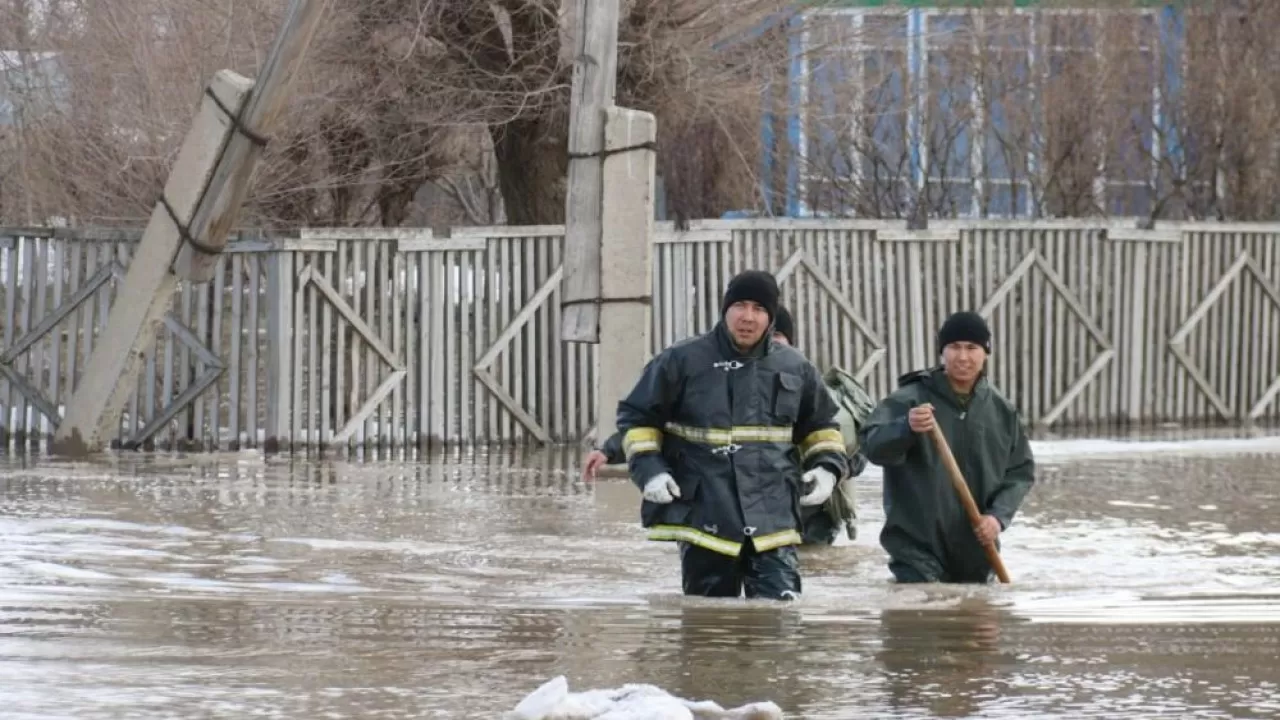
[[188, 227]]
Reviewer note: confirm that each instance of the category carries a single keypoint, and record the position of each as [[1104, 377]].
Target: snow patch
[[553, 701]]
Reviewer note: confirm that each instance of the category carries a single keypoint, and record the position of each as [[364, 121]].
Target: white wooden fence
[[397, 338]]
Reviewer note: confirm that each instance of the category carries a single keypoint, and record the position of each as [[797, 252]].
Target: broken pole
[[231, 180], [595, 71], [187, 229]]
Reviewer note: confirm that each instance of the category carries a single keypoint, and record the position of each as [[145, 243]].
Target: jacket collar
[[935, 379]]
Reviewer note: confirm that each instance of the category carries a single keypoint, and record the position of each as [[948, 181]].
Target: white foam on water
[[169, 581], [399, 546], [314, 588], [1250, 538], [1128, 503], [44, 569], [1138, 608], [1098, 449], [99, 524], [260, 569]]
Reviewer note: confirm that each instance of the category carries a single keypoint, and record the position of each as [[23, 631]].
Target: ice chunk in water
[[553, 701], [541, 702]]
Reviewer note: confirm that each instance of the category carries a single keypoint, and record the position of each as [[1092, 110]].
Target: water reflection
[[738, 654], [941, 661]]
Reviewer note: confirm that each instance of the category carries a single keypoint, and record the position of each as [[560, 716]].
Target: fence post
[[920, 351], [1134, 346], [1135, 381], [280, 336], [921, 348]]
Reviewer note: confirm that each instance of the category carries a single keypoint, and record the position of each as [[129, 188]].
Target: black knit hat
[[965, 327], [754, 285], [782, 323]]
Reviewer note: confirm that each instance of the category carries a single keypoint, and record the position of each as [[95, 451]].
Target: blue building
[[969, 111]]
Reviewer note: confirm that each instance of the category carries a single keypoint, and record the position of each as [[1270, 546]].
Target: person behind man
[[926, 532], [821, 524], [726, 434]]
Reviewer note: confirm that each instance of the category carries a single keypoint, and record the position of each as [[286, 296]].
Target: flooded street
[[241, 586]]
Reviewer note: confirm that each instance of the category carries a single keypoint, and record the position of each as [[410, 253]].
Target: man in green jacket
[[926, 532]]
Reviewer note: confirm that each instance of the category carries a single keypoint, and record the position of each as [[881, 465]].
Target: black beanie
[[782, 323], [965, 327], [754, 285]]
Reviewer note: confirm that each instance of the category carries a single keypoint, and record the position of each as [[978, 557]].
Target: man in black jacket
[[820, 524], [727, 434]]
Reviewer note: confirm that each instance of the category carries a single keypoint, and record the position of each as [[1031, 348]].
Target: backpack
[[855, 406], [854, 403]]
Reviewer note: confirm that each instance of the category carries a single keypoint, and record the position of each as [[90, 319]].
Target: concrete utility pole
[[608, 215], [595, 73], [188, 227], [626, 265]]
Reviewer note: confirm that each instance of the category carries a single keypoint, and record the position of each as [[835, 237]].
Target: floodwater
[[1145, 583]]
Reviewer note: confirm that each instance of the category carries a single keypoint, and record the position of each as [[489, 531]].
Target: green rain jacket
[[925, 526]]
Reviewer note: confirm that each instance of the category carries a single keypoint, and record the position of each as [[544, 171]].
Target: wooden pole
[[595, 71], [203, 193], [966, 499]]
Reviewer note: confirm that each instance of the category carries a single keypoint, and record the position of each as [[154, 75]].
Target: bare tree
[[1096, 111], [455, 111], [858, 113], [391, 102]]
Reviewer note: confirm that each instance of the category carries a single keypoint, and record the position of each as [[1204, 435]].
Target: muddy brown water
[[241, 586]]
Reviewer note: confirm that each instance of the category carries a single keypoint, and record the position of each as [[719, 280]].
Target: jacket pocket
[[786, 398]]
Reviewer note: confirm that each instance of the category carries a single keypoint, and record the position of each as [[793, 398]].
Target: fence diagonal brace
[[33, 336], [170, 411], [33, 395], [188, 338]]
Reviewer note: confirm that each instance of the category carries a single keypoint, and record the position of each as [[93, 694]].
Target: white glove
[[823, 483], [662, 489]]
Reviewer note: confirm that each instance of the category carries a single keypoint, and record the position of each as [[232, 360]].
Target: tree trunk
[[533, 170]]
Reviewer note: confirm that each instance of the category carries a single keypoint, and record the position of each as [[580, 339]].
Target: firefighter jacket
[[736, 431]]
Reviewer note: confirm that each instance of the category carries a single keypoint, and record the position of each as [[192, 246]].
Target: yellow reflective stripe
[[776, 540], [643, 446], [835, 447], [828, 440], [641, 440], [762, 433], [708, 436], [695, 537], [729, 436]]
